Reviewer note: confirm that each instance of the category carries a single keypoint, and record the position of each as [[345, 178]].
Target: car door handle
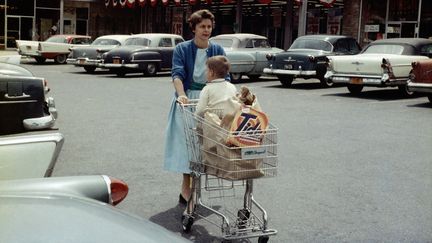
[[24, 95]]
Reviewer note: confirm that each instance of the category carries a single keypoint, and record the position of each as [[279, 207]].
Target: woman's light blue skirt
[[176, 153]]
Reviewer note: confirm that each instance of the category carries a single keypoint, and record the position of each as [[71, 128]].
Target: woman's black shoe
[[182, 200]]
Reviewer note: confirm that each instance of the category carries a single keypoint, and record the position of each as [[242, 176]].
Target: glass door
[[13, 31], [18, 28]]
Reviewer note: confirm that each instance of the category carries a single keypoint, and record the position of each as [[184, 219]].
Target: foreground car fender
[[63, 213]]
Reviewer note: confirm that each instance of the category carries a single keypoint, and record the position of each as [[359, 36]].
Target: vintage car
[[56, 47], [420, 78], [147, 53], [383, 63], [246, 53], [23, 102], [89, 57], [306, 57]]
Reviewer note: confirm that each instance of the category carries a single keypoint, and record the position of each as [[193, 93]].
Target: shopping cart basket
[[218, 170]]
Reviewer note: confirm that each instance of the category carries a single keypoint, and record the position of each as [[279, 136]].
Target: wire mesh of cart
[[223, 173]]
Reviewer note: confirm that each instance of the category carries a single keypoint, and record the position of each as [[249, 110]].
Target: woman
[[189, 77]]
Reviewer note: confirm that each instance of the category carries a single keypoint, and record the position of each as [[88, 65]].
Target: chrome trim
[[151, 60], [39, 122], [112, 65], [18, 101]]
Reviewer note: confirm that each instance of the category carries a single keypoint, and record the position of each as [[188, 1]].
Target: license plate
[[116, 61], [356, 81], [288, 66]]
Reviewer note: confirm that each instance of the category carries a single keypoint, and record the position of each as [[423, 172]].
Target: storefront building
[[280, 21]]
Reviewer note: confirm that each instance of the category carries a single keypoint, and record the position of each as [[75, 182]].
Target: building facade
[[280, 21]]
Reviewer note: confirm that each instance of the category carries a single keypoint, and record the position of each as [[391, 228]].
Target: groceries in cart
[[232, 136]]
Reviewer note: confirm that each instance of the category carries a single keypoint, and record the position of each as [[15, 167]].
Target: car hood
[[57, 218]]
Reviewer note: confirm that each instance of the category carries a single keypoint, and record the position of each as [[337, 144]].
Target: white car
[[383, 63], [56, 47]]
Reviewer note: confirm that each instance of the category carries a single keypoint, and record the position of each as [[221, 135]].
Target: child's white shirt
[[215, 95]]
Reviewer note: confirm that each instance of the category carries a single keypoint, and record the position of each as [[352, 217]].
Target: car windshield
[[385, 49], [57, 39], [223, 42], [105, 42], [311, 44], [137, 42]]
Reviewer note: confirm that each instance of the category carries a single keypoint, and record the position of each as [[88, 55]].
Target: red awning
[[142, 2], [328, 3], [131, 3]]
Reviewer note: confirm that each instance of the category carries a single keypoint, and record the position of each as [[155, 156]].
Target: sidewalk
[[7, 53]]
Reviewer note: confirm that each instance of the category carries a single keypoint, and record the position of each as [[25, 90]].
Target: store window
[[426, 20], [2, 28], [20, 7], [374, 16], [403, 10]]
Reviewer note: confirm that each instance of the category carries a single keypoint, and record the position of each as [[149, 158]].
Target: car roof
[[115, 37], [409, 41], [156, 35], [73, 36], [329, 38], [240, 36]]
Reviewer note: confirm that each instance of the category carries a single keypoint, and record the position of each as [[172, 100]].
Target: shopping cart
[[219, 171]]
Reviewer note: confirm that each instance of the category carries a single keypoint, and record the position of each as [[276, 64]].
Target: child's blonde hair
[[219, 65]]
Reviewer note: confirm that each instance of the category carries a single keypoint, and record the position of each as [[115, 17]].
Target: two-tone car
[[56, 47], [89, 57], [383, 63], [24, 104], [306, 57], [146, 53], [420, 78], [246, 53]]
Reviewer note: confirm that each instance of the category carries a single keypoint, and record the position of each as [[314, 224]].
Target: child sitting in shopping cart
[[218, 90]]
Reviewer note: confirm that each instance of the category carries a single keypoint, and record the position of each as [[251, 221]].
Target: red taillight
[[119, 190]]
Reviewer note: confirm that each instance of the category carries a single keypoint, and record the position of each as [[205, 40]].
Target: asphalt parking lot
[[351, 169]]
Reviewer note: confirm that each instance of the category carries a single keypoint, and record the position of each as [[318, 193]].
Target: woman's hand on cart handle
[[182, 99]]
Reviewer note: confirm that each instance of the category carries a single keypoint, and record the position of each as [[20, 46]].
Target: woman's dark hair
[[198, 16], [219, 65]]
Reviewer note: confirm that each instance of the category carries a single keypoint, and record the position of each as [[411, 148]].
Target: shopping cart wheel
[[242, 218], [263, 239], [187, 222]]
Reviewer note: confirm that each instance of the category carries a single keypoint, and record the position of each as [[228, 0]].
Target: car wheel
[[403, 89], [430, 98], [120, 73], [90, 69], [325, 83], [254, 77], [60, 59], [236, 77], [40, 60], [355, 89], [151, 69], [286, 81]]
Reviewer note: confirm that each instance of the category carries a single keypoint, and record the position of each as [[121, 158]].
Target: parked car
[[383, 63], [420, 78], [24, 105], [147, 53], [89, 57], [246, 53], [56, 47], [306, 57]]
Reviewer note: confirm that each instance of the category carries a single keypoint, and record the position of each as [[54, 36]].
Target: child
[[218, 90]]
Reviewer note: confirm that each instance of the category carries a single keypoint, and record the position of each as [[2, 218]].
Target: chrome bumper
[[43, 122], [289, 72], [112, 65], [368, 80], [83, 62], [419, 87]]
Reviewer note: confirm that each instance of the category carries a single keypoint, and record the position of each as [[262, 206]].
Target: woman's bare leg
[[186, 186]]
